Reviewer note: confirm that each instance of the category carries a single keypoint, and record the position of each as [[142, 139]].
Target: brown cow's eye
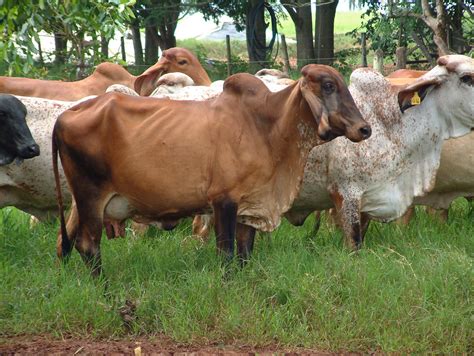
[[329, 88], [182, 62], [466, 79]]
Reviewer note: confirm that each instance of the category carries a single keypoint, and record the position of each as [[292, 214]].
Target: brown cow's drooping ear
[[145, 83], [313, 101], [414, 93]]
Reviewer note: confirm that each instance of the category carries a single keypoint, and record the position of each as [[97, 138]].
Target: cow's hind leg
[[225, 218], [64, 247], [439, 214], [245, 239], [88, 236], [90, 216]]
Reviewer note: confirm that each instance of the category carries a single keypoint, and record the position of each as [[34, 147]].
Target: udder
[[118, 208]]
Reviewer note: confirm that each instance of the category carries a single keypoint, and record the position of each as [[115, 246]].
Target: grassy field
[[409, 289]]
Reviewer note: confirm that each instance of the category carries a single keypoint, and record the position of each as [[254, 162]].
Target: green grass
[[410, 289]]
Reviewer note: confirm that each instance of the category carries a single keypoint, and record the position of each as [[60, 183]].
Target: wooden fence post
[[229, 59], [363, 43], [401, 57], [286, 59], [122, 45], [378, 61]]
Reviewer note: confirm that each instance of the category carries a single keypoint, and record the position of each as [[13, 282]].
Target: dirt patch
[[159, 345]]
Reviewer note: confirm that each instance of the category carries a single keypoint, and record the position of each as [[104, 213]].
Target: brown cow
[[173, 60], [241, 154], [104, 75]]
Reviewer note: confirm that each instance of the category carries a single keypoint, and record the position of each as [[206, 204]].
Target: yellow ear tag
[[415, 100]]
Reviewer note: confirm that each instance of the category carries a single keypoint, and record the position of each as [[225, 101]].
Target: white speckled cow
[[379, 178], [29, 186]]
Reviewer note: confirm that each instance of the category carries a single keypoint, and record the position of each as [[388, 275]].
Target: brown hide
[[129, 156], [406, 73], [104, 75]]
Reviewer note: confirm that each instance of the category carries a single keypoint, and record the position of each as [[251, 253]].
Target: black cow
[[15, 137]]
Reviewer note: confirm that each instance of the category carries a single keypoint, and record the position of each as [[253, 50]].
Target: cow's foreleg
[[349, 216], [225, 218], [245, 239], [364, 224], [317, 222]]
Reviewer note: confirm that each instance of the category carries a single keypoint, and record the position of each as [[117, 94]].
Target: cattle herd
[[236, 154]]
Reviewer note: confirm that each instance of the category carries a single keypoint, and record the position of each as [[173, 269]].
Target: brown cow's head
[[331, 104], [172, 60]]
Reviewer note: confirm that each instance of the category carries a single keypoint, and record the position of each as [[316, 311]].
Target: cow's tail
[[65, 243]]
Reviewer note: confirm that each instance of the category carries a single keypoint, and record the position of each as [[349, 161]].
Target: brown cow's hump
[[243, 83]]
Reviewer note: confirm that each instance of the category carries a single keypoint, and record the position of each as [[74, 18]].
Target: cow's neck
[[201, 78], [292, 136], [419, 134]]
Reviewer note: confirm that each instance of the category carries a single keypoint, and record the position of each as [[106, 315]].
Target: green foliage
[[22, 20], [408, 290], [388, 24]]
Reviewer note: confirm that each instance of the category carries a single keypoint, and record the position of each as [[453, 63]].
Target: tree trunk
[[437, 25], [324, 31], [137, 44], [104, 46], [151, 45], [300, 13], [255, 32], [60, 45], [458, 41], [166, 38]]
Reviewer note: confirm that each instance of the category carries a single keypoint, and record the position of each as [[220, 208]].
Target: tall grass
[[409, 289]]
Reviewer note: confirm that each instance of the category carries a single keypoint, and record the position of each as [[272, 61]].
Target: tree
[[422, 17], [68, 20], [300, 14], [324, 30], [248, 15]]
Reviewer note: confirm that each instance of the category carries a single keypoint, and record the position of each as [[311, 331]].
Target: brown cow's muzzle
[[354, 127], [358, 132]]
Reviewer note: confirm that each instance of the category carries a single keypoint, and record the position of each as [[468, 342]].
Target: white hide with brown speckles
[[455, 176], [30, 186], [382, 175]]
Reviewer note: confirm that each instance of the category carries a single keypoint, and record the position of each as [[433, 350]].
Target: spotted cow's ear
[[414, 93]]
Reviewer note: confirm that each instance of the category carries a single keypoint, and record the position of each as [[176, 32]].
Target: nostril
[[366, 131], [33, 148]]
